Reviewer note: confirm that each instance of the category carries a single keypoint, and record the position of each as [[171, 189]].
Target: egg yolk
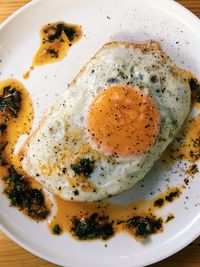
[[123, 120]]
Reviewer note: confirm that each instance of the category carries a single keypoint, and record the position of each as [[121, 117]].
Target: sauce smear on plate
[[91, 220], [55, 40], [16, 116]]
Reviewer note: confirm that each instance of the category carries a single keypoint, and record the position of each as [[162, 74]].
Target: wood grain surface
[[11, 255]]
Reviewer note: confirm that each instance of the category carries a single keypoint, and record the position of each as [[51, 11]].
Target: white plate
[[103, 21]]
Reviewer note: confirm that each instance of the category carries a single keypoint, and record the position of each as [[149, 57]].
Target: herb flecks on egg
[[84, 166], [128, 103]]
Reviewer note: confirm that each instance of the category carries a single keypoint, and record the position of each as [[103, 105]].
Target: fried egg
[[113, 122]]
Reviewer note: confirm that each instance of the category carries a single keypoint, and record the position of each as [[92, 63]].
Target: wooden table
[[11, 255]]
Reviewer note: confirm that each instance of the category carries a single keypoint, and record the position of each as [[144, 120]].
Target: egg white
[[58, 141]]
